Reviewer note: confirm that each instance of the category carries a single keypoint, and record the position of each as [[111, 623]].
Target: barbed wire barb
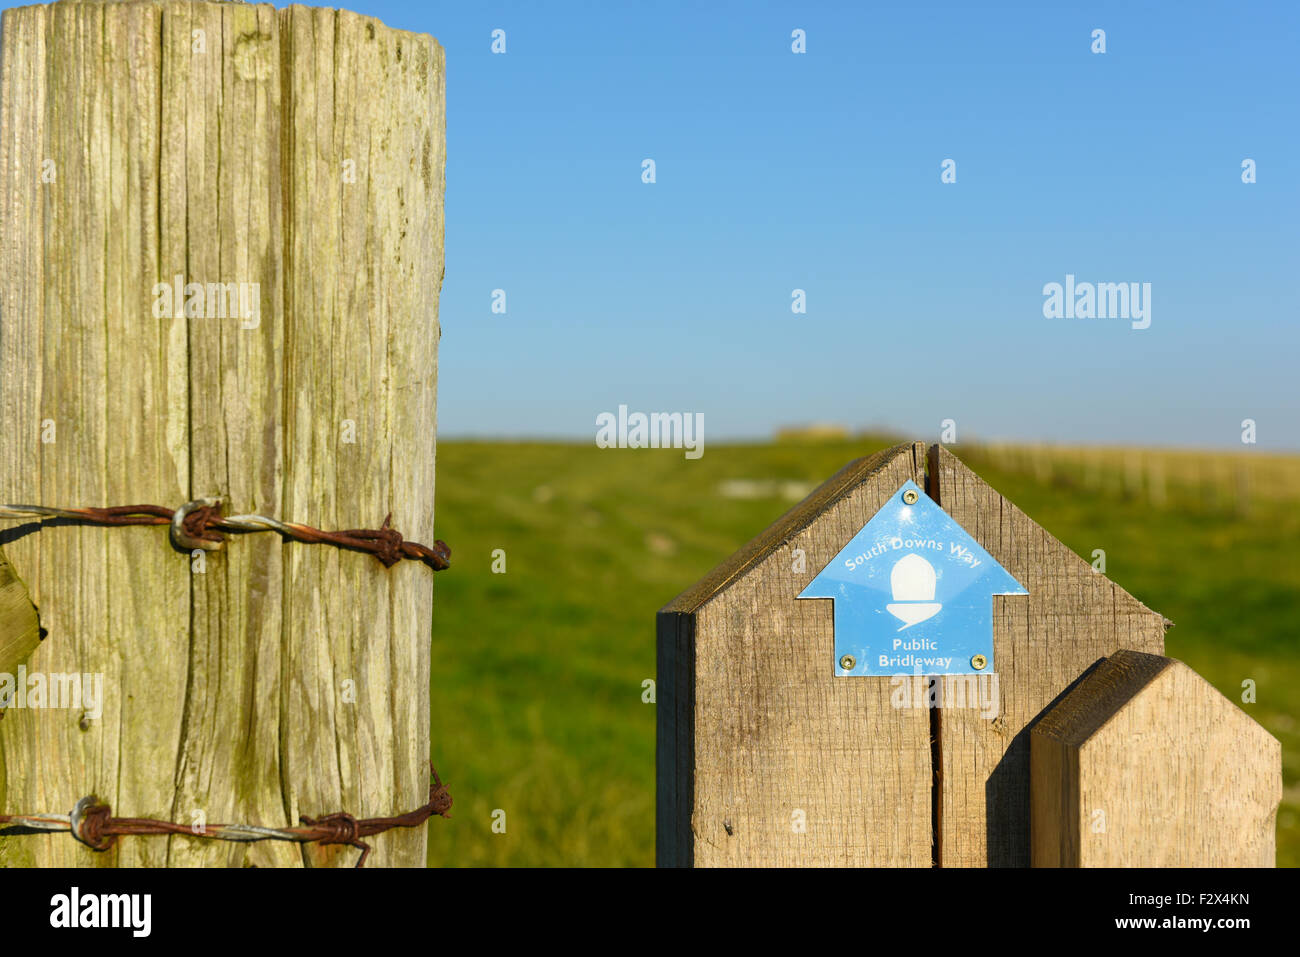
[[199, 525], [91, 823]]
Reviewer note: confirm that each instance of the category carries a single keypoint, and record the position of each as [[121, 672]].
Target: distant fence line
[[1226, 480]]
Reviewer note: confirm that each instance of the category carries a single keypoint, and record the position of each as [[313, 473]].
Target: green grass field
[[538, 673]]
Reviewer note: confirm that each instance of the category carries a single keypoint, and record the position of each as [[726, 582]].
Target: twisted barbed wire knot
[[388, 541], [439, 797], [89, 821], [198, 524], [339, 828]]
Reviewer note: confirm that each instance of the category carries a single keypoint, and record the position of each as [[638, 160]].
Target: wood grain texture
[[284, 679], [1042, 642], [364, 266], [1145, 764], [753, 724]]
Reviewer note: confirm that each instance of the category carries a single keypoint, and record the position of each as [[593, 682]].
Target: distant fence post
[[1145, 764], [856, 686]]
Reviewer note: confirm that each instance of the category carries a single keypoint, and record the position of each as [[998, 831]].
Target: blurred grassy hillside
[[538, 672]]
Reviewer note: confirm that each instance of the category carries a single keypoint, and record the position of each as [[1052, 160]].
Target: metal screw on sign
[[848, 662], [978, 662], [910, 497]]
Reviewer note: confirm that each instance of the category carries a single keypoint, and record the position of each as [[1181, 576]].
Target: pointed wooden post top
[[766, 756]]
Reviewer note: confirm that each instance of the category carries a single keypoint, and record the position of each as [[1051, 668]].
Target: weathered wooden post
[[757, 736], [888, 725], [221, 237], [1145, 764]]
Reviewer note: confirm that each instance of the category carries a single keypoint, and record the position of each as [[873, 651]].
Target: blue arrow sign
[[913, 593]]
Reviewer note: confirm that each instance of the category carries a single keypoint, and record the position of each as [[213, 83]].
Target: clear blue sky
[[821, 171]]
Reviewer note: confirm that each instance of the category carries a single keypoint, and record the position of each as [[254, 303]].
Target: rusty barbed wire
[[199, 524], [91, 822]]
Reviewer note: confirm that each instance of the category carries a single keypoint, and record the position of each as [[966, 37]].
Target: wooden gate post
[[764, 756], [1071, 617], [1145, 764], [290, 164], [767, 756]]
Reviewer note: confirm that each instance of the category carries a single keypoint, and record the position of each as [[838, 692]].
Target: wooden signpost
[[221, 231], [767, 756], [1145, 763]]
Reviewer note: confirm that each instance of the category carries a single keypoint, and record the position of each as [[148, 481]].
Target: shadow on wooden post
[[20, 625]]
